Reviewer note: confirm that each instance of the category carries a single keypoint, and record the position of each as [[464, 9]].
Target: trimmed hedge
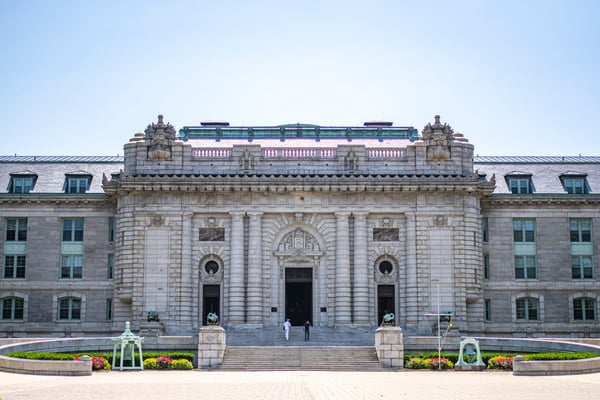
[[185, 358]]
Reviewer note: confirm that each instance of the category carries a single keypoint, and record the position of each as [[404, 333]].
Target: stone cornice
[[300, 183], [540, 199], [54, 198]]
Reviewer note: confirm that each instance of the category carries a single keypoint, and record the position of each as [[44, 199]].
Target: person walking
[[307, 331], [287, 325]]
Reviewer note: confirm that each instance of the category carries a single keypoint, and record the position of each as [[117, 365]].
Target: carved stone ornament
[[440, 220], [351, 161], [247, 160], [159, 139], [438, 138], [157, 220], [300, 242], [210, 276]]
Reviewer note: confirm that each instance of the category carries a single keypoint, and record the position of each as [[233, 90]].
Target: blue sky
[[515, 77]]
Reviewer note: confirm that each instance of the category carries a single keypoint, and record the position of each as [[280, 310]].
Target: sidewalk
[[290, 385]]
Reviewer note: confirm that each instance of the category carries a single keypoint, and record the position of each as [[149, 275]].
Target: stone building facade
[[337, 225]]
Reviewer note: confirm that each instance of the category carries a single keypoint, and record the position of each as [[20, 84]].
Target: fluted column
[[343, 300], [236, 270], [360, 290], [255, 275]]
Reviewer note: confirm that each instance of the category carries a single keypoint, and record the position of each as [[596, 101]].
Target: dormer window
[[519, 184], [22, 183], [78, 183], [575, 184]]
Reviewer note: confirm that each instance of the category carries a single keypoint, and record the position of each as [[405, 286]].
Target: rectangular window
[[72, 230], [580, 230], [16, 230], [484, 228], [69, 309], [524, 230], [111, 229], [12, 308], [486, 266], [575, 185], [71, 267], [488, 310], [584, 309], [108, 309], [22, 184], [582, 267], [525, 267], [527, 309], [77, 184], [520, 185], [111, 266], [14, 266]]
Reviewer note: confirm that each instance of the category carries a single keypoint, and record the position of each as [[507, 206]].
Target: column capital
[[360, 214], [255, 214], [237, 214]]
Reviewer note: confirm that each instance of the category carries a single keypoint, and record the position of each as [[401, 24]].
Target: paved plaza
[[285, 385]]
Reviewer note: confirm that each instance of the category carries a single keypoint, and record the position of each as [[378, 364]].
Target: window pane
[[75, 309], [520, 308]]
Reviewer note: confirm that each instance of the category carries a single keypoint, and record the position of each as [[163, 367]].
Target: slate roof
[[51, 171], [545, 172]]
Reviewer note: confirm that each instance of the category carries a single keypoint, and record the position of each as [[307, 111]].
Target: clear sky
[[516, 77]]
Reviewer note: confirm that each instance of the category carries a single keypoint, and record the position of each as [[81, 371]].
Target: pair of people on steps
[[287, 325]]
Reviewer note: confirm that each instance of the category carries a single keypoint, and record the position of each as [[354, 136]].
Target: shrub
[[181, 364], [435, 362], [560, 356], [500, 362], [164, 362], [417, 363], [150, 363]]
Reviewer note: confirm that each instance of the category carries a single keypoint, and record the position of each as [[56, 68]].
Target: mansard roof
[[51, 171], [545, 172]]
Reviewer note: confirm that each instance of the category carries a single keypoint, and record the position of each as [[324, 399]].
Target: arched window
[[12, 308]]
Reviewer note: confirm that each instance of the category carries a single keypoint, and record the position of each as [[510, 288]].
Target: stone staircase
[[319, 336], [306, 358]]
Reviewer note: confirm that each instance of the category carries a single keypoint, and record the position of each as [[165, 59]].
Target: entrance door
[[298, 295], [210, 301], [385, 301]]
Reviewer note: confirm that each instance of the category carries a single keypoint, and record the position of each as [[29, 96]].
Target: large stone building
[[337, 225]]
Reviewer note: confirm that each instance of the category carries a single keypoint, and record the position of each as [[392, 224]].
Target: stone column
[[343, 300], [361, 276], [255, 275], [186, 288], [236, 270], [411, 296]]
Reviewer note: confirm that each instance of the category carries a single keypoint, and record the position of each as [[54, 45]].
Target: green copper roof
[[220, 132]]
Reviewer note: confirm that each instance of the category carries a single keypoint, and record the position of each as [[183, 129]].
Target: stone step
[[319, 336], [316, 358]]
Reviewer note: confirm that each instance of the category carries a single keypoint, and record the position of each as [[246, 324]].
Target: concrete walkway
[[413, 385]]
